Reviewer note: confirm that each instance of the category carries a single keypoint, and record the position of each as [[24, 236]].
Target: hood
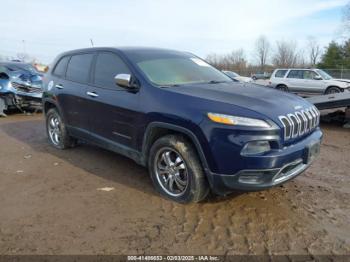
[[26, 78], [263, 100], [341, 80]]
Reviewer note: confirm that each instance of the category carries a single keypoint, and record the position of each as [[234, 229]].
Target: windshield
[[324, 75], [180, 70]]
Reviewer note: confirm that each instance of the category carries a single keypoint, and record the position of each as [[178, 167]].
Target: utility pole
[[92, 42], [24, 46], [341, 72]]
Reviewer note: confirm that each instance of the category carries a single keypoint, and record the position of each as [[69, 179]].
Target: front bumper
[[285, 165], [20, 100]]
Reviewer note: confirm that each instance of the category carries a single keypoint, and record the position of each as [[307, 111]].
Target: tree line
[[336, 56], [283, 54]]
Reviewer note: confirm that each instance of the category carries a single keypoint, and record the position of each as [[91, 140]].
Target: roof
[[128, 50], [296, 68]]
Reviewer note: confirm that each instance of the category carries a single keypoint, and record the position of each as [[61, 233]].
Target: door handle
[[59, 86], [92, 94]]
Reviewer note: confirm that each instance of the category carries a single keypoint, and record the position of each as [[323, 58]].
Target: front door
[[311, 84], [115, 109]]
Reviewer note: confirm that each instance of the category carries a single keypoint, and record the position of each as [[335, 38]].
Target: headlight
[[237, 120], [256, 147]]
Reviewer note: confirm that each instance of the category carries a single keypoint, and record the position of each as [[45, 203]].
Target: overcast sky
[[199, 26]]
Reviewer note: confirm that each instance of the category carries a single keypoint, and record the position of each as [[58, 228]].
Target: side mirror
[[125, 80], [317, 77]]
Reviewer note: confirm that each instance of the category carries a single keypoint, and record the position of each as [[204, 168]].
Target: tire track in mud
[[56, 209]]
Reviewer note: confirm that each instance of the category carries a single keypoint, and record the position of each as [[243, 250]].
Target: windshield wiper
[[166, 86], [216, 82]]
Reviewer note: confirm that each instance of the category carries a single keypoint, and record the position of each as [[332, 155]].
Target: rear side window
[[79, 68], [296, 74], [281, 73], [108, 65], [61, 66]]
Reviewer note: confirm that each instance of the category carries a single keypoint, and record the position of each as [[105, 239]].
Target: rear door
[[295, 81], [115, 109], [72, 90]]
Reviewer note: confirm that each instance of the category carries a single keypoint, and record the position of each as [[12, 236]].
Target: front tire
[[176, 171], [57, 132], [333, 90]]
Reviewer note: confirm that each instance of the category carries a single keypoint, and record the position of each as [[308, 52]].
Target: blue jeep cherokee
[[191, 125]]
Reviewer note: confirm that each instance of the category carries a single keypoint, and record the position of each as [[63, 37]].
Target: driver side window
[[309, 75], [107, 66]]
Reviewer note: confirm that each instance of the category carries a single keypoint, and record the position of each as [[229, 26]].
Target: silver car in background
[[237, 77], [307, 82]]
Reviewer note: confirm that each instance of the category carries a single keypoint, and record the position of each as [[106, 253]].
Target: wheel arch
[[281, 84], [331, 86], [155, 130], [50, 103]]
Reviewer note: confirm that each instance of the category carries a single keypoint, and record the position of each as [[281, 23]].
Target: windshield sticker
[[199, 62]]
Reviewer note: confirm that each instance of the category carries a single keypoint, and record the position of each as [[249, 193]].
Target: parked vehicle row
[[192, 126], [261, 75], [20, 86]]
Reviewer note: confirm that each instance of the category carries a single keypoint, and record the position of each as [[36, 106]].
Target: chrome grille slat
[[313, 118], [287, 126], [300, 122]]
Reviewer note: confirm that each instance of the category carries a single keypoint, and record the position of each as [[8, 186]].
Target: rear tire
[[332, 90], [176, 171], [57, 132]]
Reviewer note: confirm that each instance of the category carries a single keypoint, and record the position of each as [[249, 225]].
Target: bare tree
[[286, 54], [235, 61], [262, 49], [213, 59], [300, 60], [314, 51]]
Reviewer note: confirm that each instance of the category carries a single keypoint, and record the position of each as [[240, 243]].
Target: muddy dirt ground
[[50, 203]]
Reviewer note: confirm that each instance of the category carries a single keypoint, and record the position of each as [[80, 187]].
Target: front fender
[[49, 102], [194, 134]]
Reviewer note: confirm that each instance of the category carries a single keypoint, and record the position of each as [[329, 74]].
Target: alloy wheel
[[54, 128], [171, 172]]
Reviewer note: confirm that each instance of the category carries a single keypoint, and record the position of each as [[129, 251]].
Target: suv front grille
[[300, 122]]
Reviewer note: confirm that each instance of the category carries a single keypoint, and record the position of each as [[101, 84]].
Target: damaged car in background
[[20, 87]]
